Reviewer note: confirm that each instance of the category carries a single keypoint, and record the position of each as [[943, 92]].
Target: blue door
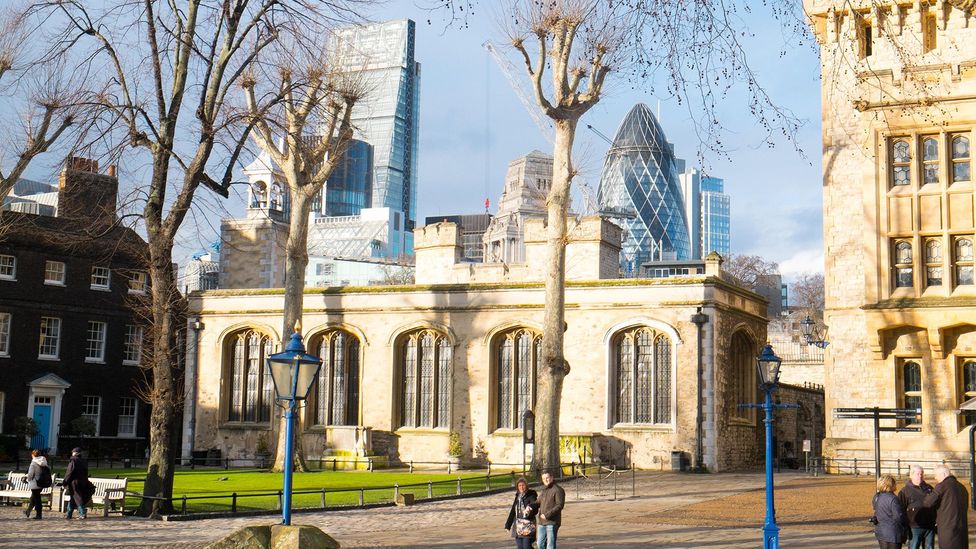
[[42, 417]]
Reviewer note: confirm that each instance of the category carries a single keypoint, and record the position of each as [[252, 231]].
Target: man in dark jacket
[[76, 481], [920, 519], [951, 502], [551, 500]]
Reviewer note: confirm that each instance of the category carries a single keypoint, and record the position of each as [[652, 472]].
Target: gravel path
[[670, 510]]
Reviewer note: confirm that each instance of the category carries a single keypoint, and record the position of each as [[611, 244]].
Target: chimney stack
[[86, 195]]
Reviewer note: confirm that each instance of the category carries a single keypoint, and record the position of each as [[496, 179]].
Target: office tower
[[350, 187], [639, 185], [716, 228], [387, 116], [691, 195]]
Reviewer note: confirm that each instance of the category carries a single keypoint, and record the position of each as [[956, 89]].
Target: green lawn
[[256, 489]]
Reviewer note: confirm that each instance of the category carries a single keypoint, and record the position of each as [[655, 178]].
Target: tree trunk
[[554, 366], [296, 260], [164, 396]]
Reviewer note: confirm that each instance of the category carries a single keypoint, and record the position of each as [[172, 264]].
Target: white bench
[[108, 493], [16, 487]]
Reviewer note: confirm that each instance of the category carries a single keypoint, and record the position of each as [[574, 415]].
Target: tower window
[[900, 163], [903, 264], [866, 40], [933, 262], [964, 261], [960, 158], [929, 36], [930, 160]]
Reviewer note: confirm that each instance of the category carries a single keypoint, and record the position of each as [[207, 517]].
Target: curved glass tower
[[639, 187]]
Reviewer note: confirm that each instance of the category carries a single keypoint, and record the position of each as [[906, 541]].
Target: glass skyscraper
[[387, 116], [639, 187], [349, 188], [716, 234]]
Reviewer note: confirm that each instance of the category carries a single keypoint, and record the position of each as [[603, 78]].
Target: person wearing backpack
[[38, 478]]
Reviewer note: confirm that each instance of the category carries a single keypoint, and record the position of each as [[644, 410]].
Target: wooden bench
[[16, 487], [108, 493]]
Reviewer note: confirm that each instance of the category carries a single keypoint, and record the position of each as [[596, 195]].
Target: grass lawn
[[256, 489]]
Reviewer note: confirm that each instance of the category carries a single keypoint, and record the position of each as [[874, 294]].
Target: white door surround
[[52, 387]]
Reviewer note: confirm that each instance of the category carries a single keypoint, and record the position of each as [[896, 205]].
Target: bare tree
[[808, 294], [694, 49], [305, 130], [170, 68], [750, 271], [41, 97], [578, 42]]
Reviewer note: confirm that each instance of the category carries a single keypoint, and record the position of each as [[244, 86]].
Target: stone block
[[249, 537], [404, 499], [300, 536]]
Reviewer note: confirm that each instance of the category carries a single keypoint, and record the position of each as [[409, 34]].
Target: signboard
[[806, 445]]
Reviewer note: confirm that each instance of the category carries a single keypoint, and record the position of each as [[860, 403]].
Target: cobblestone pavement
[[670, 510]]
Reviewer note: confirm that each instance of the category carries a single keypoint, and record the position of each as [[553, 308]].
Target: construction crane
[[590, 204]]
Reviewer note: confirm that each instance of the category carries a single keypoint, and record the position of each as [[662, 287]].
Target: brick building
[[70, 341]]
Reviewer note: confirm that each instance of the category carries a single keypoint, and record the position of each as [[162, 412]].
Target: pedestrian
[[891, 526], [920, 519], [77, 484], [38, 478], [951, 502], [552, 498], [521, 517]]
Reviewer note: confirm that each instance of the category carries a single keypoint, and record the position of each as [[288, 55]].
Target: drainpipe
[[700, 319], [194, 327]]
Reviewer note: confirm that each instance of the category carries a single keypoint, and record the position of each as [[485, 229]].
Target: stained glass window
[[643, 377]]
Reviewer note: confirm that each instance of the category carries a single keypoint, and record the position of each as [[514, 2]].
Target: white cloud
[[803, 261]]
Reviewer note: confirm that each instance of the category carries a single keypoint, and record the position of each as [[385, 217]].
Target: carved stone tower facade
[[899, 123], [527, 183]]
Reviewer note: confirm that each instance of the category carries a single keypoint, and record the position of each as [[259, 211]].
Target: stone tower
[[899, 114]]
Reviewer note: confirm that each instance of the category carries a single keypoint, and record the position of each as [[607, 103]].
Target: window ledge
[[94, 361], [48, 358], [241, 426], [507, 433], [138, 292], [53, 283], [438, 431], [101, 288], [130, 363], [9, 278], [742, 422], [643, 427]]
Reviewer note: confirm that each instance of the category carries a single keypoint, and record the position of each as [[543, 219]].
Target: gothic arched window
[[334, 399], [516, 355], [743, 375], [642, 372], [424, 379], [250, 391]]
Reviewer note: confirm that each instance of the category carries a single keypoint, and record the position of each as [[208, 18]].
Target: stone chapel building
[[899, 113], [407, 366]]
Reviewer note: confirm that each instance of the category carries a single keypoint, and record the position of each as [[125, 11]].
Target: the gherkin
[[639, 188]]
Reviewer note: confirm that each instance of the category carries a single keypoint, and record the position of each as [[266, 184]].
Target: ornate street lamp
[[293, 372], [813, 334], [768, 367]]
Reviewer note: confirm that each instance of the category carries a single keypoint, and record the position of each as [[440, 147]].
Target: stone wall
[[252, 252], [472, 316], [909, 85]]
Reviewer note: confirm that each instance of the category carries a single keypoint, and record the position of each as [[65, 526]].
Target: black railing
[[897, 467]]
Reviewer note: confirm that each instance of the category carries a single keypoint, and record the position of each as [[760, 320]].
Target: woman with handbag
[[77, 484], [521, 517]]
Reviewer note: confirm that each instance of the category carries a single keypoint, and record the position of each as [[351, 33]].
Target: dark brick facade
[[81, 242]]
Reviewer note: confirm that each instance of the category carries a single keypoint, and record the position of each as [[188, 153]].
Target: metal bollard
[[183, 505], [855, 467], [459, 486], [323, 498], [396, 491], [430, 489], [280, 500], [614, 485], [362, 497], [411, 466], [233, 503], [488, 482]]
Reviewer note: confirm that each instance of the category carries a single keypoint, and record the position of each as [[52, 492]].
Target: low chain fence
[[600, 482]]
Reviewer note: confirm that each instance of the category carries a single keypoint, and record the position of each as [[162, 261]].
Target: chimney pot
[[111, 170]]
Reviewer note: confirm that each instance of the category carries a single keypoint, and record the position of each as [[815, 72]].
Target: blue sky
[[472, 124], [471, 119]]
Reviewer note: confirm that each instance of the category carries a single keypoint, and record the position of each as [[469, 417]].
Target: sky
[[472, 125]]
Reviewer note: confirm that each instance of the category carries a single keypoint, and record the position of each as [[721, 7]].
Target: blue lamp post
[[293, 372], [767, 364]]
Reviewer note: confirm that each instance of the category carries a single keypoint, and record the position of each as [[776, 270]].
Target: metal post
[[972, 464], [289, 419], [770, 530], [877, 445]]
